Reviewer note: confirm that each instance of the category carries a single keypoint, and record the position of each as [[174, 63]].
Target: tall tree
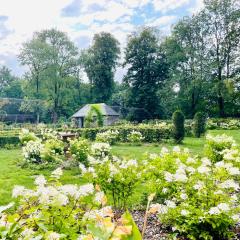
[[52, 59], [100, 62], [147, 70], [223, 19], [6, 78]]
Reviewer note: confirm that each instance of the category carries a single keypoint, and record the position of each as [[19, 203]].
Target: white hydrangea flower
[[214, 211], [203, 169], [53, 236], [168, 177], [206, 162], [236, 218], [176, 149], [18, 191], [199, 185], [164, 150], [223, 207], [40, 180], [57, 173], [164, 190], [170, 204], [184, 212], [183, 196], [86, 190], [230, 183], [69, 189]]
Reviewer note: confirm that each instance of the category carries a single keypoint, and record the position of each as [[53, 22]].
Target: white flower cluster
[[135, 137], [109, 136], [32, 151], [100, 150]]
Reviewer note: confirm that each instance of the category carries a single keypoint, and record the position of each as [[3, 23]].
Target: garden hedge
[[150, 133], [6, 140]]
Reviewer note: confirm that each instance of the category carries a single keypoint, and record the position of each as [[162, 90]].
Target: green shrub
[[108, 136], [135, 137], [178, 126], [53, 151], [196, 197], [25, 136], [199, 124], [215, 146], [13, 140], [79, 149], [149, 133], [54, 211]]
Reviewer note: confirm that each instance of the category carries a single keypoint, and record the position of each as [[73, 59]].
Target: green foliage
[[94, 117], [215, 146], [25, 136], [199, 124], [5, 140], [108, 136], [135, 138], [146, 72], [79, 149], [53, 151], [196, 197], [178, 126], [99, 68], [55, 211]]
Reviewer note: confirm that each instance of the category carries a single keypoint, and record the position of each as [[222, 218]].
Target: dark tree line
[[195, 68]]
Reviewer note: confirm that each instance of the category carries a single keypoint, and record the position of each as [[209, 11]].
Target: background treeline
[[195, 68]]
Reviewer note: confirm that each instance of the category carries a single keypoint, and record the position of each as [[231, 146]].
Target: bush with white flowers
[[100, 150], [116, 177], [109, 136], [135, 137], [53, 151], [25, 136], [32, 152], [197, 197], [56, 211], [215, 146], [79, 149]]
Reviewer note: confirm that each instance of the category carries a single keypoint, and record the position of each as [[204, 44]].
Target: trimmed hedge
[[5, 140], [150, 133]]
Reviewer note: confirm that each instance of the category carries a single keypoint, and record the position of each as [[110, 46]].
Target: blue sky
[[81, 19]]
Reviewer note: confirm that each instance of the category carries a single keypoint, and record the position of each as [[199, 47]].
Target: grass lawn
[[11, 174]]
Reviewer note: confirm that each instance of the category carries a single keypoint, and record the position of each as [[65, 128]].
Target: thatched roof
[[104, 108]]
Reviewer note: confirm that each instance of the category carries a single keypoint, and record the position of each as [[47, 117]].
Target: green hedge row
[[150, 134], [5, 140]]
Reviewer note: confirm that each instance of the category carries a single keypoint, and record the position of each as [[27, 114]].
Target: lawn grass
[[11, 174]]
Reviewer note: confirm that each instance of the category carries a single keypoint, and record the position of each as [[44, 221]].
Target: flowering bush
[[32, 152], [79, 148], [56, 211], [198, 197], [100, 150], [25, 136], [135, 137], [53, 150], [215, 146], [116, 177], [48, 133], [109, 136], [223, 123]]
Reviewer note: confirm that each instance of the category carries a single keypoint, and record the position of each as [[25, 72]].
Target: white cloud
[[24, 17], [167, 5]]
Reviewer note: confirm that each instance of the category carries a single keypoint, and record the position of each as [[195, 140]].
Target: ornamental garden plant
[[194, 197]]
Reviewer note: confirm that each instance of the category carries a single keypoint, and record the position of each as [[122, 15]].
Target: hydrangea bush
[[135, 137], [79, 149], [100, 150], [25, 136], [109, 136], [116, 177], [217, 145], [54, 211], [197, 197]]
